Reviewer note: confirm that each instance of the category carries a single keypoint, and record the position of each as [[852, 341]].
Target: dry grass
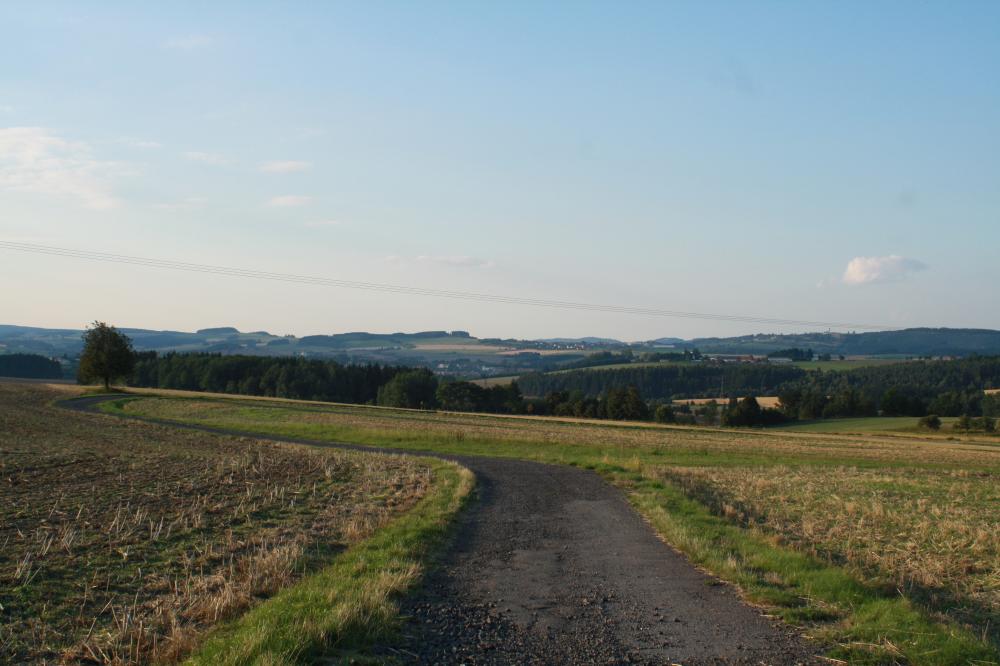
[[932, 534], [122, 542]]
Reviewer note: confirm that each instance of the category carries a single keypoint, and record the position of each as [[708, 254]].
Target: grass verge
[[353, 601], [866, 624]]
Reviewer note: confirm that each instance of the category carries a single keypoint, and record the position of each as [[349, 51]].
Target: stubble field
[[123, 542]]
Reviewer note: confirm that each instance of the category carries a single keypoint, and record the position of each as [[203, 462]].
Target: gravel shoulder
[[551, 565]]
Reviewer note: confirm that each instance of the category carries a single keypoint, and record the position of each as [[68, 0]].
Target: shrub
[[931, 422], [665, 414]]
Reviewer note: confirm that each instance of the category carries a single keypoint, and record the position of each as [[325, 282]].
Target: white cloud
[[289, 200], [287, 166], [206, 158], [319, 224], [32, 159], [871, 270], [462, 261], [191, 42]]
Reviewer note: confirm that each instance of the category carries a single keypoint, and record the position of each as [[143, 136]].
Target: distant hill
[[460, 354], [454, 353], [905, 342], [589, 340]]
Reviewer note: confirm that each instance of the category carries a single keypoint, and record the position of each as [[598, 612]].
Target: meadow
[[125, 542], [886, 548], [867, 424]]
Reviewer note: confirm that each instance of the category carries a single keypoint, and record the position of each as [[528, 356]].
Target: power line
[[409, 290]]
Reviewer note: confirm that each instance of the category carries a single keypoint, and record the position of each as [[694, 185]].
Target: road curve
[[552, 566]]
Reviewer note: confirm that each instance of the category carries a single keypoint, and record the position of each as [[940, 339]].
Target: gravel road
[[550, 565]]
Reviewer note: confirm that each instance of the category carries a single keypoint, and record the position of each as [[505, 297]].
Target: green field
[[907, 424], [849, 364], [898, 565]]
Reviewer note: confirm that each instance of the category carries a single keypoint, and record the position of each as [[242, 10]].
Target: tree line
[[29, 366], [271, 376], [662, 383], [915, 388], [926, 388]]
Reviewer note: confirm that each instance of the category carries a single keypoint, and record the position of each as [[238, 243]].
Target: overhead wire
[[108, 257]]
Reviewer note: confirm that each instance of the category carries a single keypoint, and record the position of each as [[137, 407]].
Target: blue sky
[[819, 161]]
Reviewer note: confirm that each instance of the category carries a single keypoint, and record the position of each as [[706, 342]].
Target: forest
[[915, 388], [272, 376], [663, 382], [29, 366]]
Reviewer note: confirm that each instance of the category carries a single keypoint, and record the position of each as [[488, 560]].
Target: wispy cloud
[[191, 42], [6, 108], [322, 224], [872, 270], [289, 200], [206, 158], [287, 166], [33, 159]]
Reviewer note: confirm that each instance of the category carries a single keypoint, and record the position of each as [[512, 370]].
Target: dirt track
[[552, 566]]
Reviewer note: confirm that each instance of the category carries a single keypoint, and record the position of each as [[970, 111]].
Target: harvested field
[[767, 402], [124, 541], [933, 534]]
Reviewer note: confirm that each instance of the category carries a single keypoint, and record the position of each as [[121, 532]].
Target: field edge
[[353, 601], [856, 622]]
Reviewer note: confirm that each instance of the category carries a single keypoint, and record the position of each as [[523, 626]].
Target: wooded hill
[[920, 381]]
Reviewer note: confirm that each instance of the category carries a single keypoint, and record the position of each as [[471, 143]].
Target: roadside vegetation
[[125, 542], [884, 547]]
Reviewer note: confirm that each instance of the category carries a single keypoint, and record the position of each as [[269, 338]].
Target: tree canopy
[[107, 355]]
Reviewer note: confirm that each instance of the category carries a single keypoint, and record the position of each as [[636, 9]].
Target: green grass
[[861, 424], [873, 424], [864, 620], [353, 601]]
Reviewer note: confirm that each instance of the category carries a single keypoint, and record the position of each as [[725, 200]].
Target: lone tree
[[107, 354]]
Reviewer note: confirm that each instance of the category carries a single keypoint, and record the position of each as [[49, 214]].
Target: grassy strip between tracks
[[352, 602], [863, 619]]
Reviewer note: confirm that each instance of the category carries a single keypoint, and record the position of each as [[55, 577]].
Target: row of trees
[[422, 389], [279, 377], [623, 404]]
